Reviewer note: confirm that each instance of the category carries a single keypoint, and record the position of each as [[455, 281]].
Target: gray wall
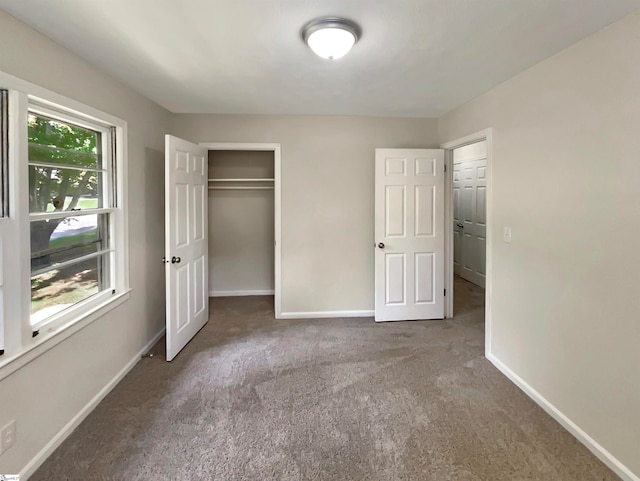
[[327, 196], [566, 164], [48, 392], [241, 234]]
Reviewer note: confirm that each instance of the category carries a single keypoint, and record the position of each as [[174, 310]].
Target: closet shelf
[[241, 180], [240, 187]]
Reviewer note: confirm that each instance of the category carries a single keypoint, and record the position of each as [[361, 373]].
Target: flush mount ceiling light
[[331, 37]]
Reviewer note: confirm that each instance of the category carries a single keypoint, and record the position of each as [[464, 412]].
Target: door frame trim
[[486, 134], [276, 148]]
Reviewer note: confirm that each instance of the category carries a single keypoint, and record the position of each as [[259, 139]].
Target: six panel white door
[[409, 234], [469, 212], [186, 246]]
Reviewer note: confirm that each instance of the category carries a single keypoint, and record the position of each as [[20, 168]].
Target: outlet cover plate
[[7, 436]]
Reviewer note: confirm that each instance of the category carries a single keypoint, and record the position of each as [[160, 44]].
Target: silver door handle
[[460, 225]]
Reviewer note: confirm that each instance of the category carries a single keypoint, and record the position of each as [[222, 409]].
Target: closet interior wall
[[241, 223]]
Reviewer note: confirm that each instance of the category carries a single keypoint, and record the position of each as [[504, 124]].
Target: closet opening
[[244, 220]]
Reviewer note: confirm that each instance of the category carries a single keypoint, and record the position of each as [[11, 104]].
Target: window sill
[[28, 353]]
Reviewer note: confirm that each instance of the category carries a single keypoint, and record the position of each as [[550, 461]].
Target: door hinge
[[445, 292], [445, 167]]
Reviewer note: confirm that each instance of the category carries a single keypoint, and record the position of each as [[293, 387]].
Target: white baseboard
[[59, 438], [262, 292], [324, 314], [605, 456]]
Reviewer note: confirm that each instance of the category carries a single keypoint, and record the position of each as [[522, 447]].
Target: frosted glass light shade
[[331, 43], [331, 38]]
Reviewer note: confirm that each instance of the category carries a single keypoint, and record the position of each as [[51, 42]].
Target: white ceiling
[[416, 58]]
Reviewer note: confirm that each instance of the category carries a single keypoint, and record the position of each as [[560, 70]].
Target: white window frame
[[105, 131], [20, 343]]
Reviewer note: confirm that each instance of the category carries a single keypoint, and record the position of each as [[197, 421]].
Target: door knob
[[461, 225], [381, 245], [175, 260]]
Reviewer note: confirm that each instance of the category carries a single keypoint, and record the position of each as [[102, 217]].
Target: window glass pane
[[59, 289], [52, 189], [59, 240], [55, 141], [64, 157]]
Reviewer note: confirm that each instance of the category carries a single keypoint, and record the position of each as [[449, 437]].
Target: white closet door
[[186, 246], [469, 212]]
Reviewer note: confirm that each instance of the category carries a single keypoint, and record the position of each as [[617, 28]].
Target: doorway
[[241, 214], [468, 217], [244, 202], [187, 267]]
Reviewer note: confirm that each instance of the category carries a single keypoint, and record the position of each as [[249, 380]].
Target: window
[[63, 219], [70, 209], [4, 180], [4, 152]]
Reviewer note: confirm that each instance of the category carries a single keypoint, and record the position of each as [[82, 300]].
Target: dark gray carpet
[[252, 398]]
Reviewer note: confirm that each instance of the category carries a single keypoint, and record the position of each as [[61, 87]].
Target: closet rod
[[241, 188]]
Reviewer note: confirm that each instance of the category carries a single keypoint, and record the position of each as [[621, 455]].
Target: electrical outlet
[[8, 436]]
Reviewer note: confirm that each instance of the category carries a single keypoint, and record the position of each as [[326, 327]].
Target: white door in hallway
[[409, 234], [469, 212], [186, 245]]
